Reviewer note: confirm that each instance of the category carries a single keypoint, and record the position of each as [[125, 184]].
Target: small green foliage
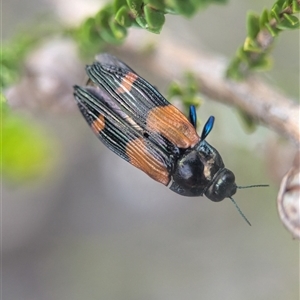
[[252, 25], [235, 67], [154, 18], [123, 18], [295, 6], [174, 90], [261, 32], [275, 13], [249, 123], [110, 24], [118, 31], [187, 91], [289, 22], [272, 30], [250, 45], [262, 63], [25, 148], [136, 7], [118, 4]]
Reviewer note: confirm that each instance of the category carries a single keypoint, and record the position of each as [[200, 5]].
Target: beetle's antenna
[[251, 186], [246, 187], [207, 127], [193, 116], [239, 210]]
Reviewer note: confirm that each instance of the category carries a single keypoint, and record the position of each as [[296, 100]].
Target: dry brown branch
[[257, 98]]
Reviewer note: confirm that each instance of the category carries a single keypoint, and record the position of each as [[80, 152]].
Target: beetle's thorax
[[195, 170]]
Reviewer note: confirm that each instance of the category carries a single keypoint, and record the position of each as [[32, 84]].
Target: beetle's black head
[[222, 186]]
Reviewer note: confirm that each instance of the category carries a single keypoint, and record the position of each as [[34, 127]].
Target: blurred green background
[[90, 226]]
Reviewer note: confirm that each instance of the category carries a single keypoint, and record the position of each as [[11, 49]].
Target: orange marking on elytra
[[139, 157], [126, 83], [173, 125], [99, 124]]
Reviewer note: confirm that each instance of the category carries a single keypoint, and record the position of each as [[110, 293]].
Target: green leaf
[[103, 17], [264, 18], [289, 22], [141, 21], [119, 4], [252, 25], [108, 35], [187, 91], [274, 31], [154, 18], [249, 123], [233, 70], [292, 19], [118, 31], [275, 12], [296, 6], [251, 46], [241, 54], [87, 30], [174, 90], [281, 3], [136, 7], [123, 17], [263, 63]]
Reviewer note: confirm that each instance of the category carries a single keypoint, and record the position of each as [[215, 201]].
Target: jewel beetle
[[137, 123]]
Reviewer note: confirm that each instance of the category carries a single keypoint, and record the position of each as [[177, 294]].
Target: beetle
[[137, 123]]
